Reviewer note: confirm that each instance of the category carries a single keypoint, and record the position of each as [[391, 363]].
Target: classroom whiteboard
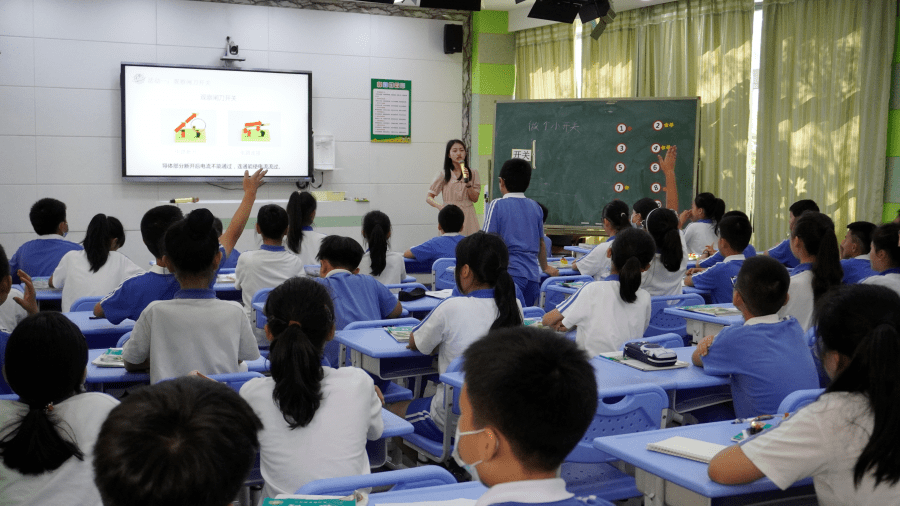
[[588, 152]]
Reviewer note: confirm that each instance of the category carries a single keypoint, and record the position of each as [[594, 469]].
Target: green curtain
[[609, 65], [545, 62], [825, 70]]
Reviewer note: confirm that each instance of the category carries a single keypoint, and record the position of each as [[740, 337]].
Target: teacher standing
[[458, 185]]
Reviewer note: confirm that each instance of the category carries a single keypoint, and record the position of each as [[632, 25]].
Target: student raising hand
[[29, 300]]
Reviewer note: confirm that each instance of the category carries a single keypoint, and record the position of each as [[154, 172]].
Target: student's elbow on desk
[[98, 311], [696, 359], [409, 254], [732, 467], [132, 367]]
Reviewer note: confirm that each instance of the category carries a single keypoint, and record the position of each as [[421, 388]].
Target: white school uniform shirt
[[309, 247], [596, 263], [11, 313], [394, 269], [604, 320], [545, 491], [195, 330], [889, 278], [823, 440], [800, 304], [267, 267], [451, 327], [332, 445], [73, 482], [700, 234], [74, 276], [658, 280]]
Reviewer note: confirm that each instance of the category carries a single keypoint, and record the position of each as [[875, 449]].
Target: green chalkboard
[[588, 152]]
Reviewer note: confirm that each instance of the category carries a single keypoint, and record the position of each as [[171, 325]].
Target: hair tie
[[48, 408], [294, 322], [647, 219]]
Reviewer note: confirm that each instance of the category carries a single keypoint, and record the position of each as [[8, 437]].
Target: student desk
[[48, 299], [578, 250], [468, 490], [227, 291], [706, 294], [669, 480], [420, 308], [99, 332], [563, 271], [700, 325], [375, 351], [414, 266]]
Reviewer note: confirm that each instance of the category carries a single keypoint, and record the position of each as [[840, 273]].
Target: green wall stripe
[[491, 22], [889, 212], [321, 222], [893, 134], [491, 79], [485, 139]]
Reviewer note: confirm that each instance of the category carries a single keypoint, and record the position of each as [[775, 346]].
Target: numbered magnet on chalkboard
[[654, 167], [657, 125], [619, 187], [622, 128], [658, 203], [656, 187], [655, 148], [621, 148], [620, 167]]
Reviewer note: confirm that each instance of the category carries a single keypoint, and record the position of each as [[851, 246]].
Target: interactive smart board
[[586, 153]]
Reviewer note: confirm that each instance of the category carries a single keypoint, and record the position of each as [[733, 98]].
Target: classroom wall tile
[[16, 110], [17, 63], [346, 119], [16, 18], [80, 160], [394, 200], [18, 161], [429, 78], [334, 76], [416, 163], [15, 204], [436, 121], [103, 20], [208, 56], [206, 24], [354, 161], [127, 202], [496, 48], [420, 39], [74, 112], [407, 236], [319, 32], [97, 65]]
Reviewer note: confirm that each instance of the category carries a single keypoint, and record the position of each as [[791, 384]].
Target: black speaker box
[[453, 38]]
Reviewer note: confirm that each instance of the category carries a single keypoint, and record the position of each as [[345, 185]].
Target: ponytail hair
[[712, 207], [644, 207], [300, 316], [861, 323], [376, 227], [39, 441], [816, 230], [663, 227], [97, 240], [192, 244], [116, 231], [632, 250], [301, 208], [616, 213], [488, 258]]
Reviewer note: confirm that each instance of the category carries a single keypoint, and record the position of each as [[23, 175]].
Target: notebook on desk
[[687, 448]]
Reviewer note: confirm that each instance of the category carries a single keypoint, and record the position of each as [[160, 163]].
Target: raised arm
[[242, 214], [667, 165]]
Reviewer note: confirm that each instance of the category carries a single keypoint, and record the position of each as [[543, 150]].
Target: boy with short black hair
[[767, 357], [184, 441], [735, 234], [450, 222], [855, 250], [39, 257], [520, 222], [782, 252], [543, 379]]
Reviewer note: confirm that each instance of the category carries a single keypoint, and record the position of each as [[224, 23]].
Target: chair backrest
[[85, 304], [662, 323], [664, 340], [261, 295], [125, 337], [557, 280], [798, 399], [621, 410], [406, 286], [532, 312], [401, 479], [373, 324], [441, 278], [236, 380]]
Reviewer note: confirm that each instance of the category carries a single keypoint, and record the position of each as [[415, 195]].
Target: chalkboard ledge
[[570, 230]]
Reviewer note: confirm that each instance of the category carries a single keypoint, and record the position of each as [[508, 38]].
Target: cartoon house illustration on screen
[[192, 129], [253, 132]]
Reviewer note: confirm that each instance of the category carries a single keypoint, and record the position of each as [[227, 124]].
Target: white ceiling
[[617, 5]]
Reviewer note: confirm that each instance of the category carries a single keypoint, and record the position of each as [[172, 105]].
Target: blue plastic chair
[[9, 397], [664, 340], [409, 279], [549, 302], [236, 380], [85, 304], [392, 391], [122, 340], [532, 312], [441, 277], [796, 400], [406, 286], [414, 266], [621, 410], [662, 323], [261, 295], [440, 452], [401, 479]]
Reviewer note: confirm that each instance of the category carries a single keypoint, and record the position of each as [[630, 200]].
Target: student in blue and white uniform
[[641, 209], [301, 239], [379, 261], [97, 269], [597, 262], [39, 257], [886, 257], [714, 257], [520, 222], [229, 260], [783, 252], [229, 238], [309, 411], [666, 272], [855, 249], [814, 243], [847, 439], [26, 302], [195, 330], [488, 302], [736, 232], [705, 212], [544, 379], [159, 283], [766, 357], [608, 313], [450, 222], [271, 264]]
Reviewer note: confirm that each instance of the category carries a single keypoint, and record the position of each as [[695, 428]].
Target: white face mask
[[470, 468]]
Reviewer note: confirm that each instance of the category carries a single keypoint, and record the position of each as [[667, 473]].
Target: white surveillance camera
[[231, 51]]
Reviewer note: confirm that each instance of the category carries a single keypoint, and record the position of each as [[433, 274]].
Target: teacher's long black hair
[[448, 163]]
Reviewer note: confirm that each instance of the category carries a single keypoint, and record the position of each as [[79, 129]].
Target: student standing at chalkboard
[[705, 213], [458, 185], [597, 263]]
